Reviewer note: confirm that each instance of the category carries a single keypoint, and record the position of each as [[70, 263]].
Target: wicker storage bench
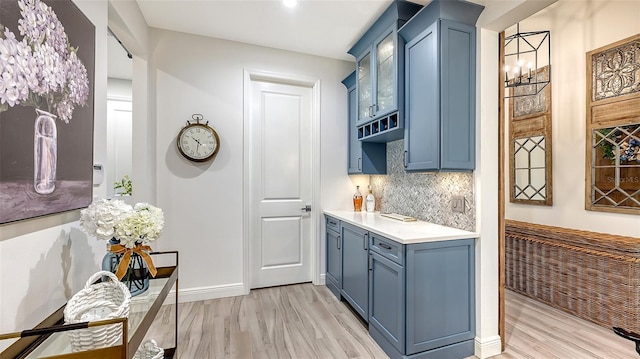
[[594, 276]]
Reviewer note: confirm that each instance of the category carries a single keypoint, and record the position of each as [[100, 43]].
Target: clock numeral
[[197, 130]]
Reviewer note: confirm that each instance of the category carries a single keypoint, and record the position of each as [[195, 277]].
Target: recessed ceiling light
[[290, 3]]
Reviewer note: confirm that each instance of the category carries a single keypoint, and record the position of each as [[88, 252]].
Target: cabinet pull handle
[[338, 242], [364, 242], [359, 163], [332, 223], [404, 159], [370, 262], [384, 245]]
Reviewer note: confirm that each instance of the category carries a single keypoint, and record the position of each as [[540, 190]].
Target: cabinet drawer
[[333, 224], [387, 248]]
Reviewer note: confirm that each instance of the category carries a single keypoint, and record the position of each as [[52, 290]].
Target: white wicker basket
[[149, 350], [105, 300]]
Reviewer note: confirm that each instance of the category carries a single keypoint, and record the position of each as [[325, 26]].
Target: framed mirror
[[615, 172], [530, 160]]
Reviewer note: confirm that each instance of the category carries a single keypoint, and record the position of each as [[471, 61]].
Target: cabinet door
[[364, 88], [355, 146], [385, 74], [334, 261], [440, 294], [422, 105], [355, 283], [458, 95], [386, 292]]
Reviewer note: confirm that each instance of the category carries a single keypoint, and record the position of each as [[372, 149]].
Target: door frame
[[287, 79], [501, 195]]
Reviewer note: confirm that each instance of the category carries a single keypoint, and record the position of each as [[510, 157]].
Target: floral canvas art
[[47, 50]]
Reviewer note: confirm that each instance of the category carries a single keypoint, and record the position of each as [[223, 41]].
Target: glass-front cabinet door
[[377, 79], [385, 76], [365, 89]]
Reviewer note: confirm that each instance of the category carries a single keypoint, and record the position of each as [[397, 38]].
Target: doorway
[[279, 150]]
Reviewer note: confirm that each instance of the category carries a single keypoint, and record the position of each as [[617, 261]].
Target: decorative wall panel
[[530, 156], [616, 72], [613, 128]]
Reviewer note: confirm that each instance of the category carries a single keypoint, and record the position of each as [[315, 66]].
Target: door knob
[[306, 208]]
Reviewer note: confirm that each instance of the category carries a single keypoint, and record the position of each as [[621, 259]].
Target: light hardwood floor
[[307, 321], [536, 330]]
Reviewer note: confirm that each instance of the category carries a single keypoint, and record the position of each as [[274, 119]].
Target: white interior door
[[280, 184]]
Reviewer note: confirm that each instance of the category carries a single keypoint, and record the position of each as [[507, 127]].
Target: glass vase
[[45, 153], [137, 276]]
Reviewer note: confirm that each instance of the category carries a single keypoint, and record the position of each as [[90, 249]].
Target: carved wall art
[[613, 128], [616, 72]]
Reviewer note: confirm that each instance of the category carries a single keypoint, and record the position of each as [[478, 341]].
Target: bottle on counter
[[371, 201], [357, 200]]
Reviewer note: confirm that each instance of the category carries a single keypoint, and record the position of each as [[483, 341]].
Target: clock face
[[198, 142]]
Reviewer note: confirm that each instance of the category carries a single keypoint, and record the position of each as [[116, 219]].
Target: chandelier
[[526, 53]]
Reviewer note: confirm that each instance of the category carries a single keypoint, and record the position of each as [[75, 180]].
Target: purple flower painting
[[47, 52]]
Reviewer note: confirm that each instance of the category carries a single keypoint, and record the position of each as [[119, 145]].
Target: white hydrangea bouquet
[[134, 228]]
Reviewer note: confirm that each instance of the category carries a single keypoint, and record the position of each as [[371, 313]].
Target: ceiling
[[318, 27], [325, 28]]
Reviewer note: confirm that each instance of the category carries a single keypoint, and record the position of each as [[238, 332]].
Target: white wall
[[46, 260], [203, 203], [576, 28]]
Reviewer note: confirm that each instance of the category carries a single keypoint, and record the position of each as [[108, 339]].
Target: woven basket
[[105, 300], [149, 350], [595, 276]]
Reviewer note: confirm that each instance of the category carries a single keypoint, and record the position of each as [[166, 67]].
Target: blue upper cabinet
[[379, 72], [440, 62], [364, 157]]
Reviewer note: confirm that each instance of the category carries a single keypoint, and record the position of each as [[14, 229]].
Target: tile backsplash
[[426, 196]]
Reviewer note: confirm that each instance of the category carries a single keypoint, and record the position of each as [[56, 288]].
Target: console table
[[49, 338]]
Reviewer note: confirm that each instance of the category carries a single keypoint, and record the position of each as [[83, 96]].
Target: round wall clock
[[197, 141]]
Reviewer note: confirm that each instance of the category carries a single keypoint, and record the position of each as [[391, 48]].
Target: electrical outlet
[[457, 204]]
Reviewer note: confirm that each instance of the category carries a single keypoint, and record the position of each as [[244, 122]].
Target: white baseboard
[[488, 347], [323, 280], [206, 293]]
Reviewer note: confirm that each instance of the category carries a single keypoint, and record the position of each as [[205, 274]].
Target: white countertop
[[401, 232]]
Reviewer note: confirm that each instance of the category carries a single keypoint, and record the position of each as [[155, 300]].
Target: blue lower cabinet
[[355, 273], [419, 299], [386, 301], [441, 297], [426, 308]]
